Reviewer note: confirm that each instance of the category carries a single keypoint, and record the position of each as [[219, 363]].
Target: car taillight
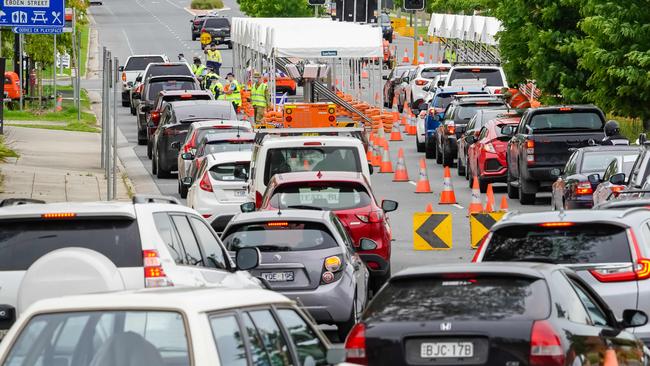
[[616, 190], [371, 217], [545, 346], [331, 118], [258, 199], [421, 82], [584, 188], [205, 183], [485, 239], [530, 152], [190, 144], [355, 345], [640, 270], [155, 116], [124, 77], [489, 148], [154, 275], [451, 129]]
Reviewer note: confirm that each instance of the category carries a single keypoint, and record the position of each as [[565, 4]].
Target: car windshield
[[231, 172], [326, 195], [311, 158], [156, 87], [102, 338], [279, 236], [216, 23], [460, 297], [583, 121], [169, 69], [23, 242], [140, 63], [488, 77], [575, 243], [224, 146], [596, 162], [432, 72]]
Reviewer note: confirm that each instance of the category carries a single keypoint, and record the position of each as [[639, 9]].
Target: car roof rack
[[469, 63], [151, 198], [19, 201]]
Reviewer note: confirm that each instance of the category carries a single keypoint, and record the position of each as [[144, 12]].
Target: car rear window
[[170, 69], [432, 72], [227, 145], [460, 297], [490, 77], [155, 87], [465, 112], [23, 242], [216, 23], [140, 63], [279, 236], [596, 162], [311, 158], [231, 172], [577, 243], [195, 114], [175, 98], [561, 122], [324, 195]]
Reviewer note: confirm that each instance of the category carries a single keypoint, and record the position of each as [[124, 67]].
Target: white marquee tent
[[472, 28]]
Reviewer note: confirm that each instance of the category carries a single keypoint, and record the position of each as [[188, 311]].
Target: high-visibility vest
[[217, 86], [235, 96], [209, 77], [518, 100], [215, 56], [450, 55], [258, 95], [198, 70]]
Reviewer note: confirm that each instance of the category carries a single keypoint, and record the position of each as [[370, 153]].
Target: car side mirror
[[642, 138], [471, 139], [121, 68], [247, 258], [389, 205], [145, 108], [633, 318], [186, 156], [385, 77], [176, 145], [367, 244], [507, 130], [441, 83], [594, 179], [371, 168], [617, 179], [7, 316], [336, 354], [247, 207], [136, 95], [138, 79], [426, 88], [187, 181]]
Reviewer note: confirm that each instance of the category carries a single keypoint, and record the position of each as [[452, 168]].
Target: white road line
[[412, 182], [128, 43], [458, 206], [175, 5]]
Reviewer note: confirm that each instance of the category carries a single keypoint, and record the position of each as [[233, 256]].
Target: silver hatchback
[[308, 256]]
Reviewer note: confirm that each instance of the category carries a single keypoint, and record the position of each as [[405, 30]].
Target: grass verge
[[206, 4], [72, 126], [630, 127], [6, 151], [85, 39]]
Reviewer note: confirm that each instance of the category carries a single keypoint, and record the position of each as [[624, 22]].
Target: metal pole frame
[[54, 73], [103, 149], [20, 72], [115, 98]]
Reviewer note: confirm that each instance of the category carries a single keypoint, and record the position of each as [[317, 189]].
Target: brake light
[[421, 82], [545, 345], [584, 188], [124, 77], [172, 132], [372, 217], [498, 91], [482, 103], [489, 148], [205, 183], [258, 199], [314, 143], [451, 129], [638, 271], [331, 118], [556, 224], [530, 152], [617, 189], [202, 30], [565, 109], [58, 215], [206, 216], [485, 239], [190, 144], [154, 275], [186, 96], [476, 70], [155, 116], [277, 224], [462, 93], [355, 345]]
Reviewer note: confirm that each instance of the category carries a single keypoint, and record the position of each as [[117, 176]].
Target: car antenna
[[279, 205]]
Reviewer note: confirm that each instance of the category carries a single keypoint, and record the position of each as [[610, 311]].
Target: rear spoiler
[[628, 192]]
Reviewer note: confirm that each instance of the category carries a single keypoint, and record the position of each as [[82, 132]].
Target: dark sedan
[[175, 120], [492, 314], [572, 189]]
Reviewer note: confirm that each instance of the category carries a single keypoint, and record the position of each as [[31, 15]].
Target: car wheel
[[460, 169], [149, 149], [142, 137], [447, 159], [466, 168], [193, 37], [438, 154], [160, 172], [133, 111], [400, 108], [482, 185], [429, 147], [419, 146], [154, 167], [379, 281], [525, 198], [182, 189], [470, 176], [389, 103], [344, 328], [230, 45], [512, 191]]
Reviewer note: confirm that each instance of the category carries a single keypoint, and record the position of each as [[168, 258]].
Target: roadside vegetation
[[206, 4], [6, 151]]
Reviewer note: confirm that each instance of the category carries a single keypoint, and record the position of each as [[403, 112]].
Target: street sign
[[413, 4], [37, 30], [32, 13], [480, 224], [432, 231], [316, 2], [206, 38]]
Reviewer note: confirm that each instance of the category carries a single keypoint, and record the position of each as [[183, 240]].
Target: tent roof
[[307, 37], [465, 27]]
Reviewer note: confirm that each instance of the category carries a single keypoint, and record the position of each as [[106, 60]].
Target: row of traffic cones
[[420, 60], [476, 204]]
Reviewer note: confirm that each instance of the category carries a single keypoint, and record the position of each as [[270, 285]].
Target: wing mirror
[[247, 207], [187, 181], [633, 318], [367, 244], [389, 205], [138, 78], [617, 179], [441, 83], [371, 168], [145, 108], [136, 95], [7, 316], [385, 77], [121, 68], [247, 258], [175, 145], [471, 139], [594, 179], [508, 130], [187, 156]]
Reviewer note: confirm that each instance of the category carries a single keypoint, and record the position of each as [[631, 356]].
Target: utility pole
[[54, 72]]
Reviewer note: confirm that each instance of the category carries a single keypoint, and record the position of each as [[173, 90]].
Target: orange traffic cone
[[421, 59], [504, 204], [406, 59], [395, 135], [411, 129], [423, 179], [421, 42], [381, 136], [610, 358], [401, 174], [447, 196], [430, 59], [371, 148], [376, 158], [386, 164], [475, 205], [305, 165], [404, 120], [429, 208], [489, 205]]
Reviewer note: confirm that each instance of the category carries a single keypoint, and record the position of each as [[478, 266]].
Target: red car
[[349, 196], [487, 153]]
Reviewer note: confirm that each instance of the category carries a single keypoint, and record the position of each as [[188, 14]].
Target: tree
[[537, 42], [277, 8], [461, 6], [616, 53]]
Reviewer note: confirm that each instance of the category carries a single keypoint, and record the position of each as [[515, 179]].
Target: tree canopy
[[278, 8]]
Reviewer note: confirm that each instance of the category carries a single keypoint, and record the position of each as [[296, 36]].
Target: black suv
[[175, 119], [219, 29], [457, 115], [152, 87]]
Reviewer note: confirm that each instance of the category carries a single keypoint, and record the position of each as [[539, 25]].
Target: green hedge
[[206, 4]]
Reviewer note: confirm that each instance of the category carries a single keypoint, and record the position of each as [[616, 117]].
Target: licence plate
[[240, 193], [277, 276], [447, 350]]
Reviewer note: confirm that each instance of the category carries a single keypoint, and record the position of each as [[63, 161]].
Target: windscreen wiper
[[535, 259]]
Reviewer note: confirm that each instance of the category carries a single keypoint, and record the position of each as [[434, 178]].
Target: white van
[[284, 154]]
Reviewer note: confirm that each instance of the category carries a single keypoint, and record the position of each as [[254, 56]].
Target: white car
[[422, 75], [182, 327], [220, 187], [132, 68], [490, 76], [50, 250]]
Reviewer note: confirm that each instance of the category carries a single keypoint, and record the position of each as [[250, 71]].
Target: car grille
[[492, 165]]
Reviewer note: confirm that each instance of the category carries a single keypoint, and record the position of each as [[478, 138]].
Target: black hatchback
[[175, 120], [492, 314]]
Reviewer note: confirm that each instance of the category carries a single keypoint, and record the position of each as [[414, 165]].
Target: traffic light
[[316, 2], [413, 4]]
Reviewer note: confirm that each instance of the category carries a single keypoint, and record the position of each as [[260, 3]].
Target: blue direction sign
[[32, 13], [37, 30]]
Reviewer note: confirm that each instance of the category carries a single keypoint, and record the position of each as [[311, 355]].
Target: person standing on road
[[233, 92], [259, 96], [450, 56], [613, 135], [198, 68], [210, 78], [213, 57]]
